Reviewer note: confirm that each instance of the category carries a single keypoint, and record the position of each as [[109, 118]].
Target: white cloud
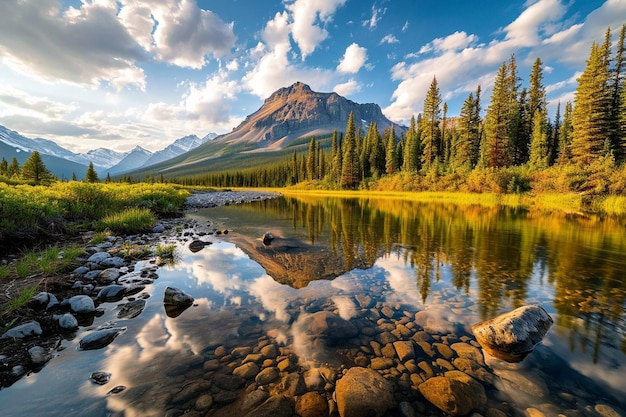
[[372, 22], [104, 41], [211, 100], [388, 39], [348, 88], [21, 102], [406, 26], [353, 59], [304, 27]]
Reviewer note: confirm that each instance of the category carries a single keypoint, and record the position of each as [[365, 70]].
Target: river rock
[[108, 275], [99, 257], [277, 406], [45, 300], [455, 394], [38, 355], [81, 304], [100, 378], [100, 338], [246, 371], [131, 309], [363, 392], [30, 328], [267, 238], [112, 292], [267, 375], [327, 326], [404, 350], [197, 245], [512, 336], [175, 297], [112, 262], [66, 321], [312, 404]]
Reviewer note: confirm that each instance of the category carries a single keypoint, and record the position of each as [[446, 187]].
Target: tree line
[[34, 171], [515, 133]]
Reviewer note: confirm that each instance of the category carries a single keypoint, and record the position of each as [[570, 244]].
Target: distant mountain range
[[272, 132], [64, 163]]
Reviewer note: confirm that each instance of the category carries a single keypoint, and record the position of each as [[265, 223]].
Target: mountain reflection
[[571, 264]]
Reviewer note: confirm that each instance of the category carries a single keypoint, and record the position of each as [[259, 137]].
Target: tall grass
[[129, 221]]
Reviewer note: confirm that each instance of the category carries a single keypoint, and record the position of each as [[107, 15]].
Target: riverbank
[[105, 270]]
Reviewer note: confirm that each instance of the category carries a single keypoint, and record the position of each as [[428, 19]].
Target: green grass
[[129, 221], [5, 270], [22, 298], [165, 251], [99, 237]]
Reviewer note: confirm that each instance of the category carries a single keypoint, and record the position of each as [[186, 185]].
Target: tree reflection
[[578, 262]]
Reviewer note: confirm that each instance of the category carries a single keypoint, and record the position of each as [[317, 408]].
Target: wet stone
[[290, 385], [444, 350], [99, 338], [66, 321], [240, 352], [463, 350], [112, 262], [267, 375], [112, 292], [99, 257], [386, 337], [38, 355], [204, 402], [45, 300], [246, 371], [211, 365], [269, 351], [381, 363], [426, 349], [404, 350], [100, 378], [81, 304], [228, 382], [31, 328], [388, 351], [285, 365], [131, 309], [253, 400], [312, 404], [190, 391]]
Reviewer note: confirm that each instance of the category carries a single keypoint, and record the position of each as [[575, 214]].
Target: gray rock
[[100, 338], [100, 378], [363, 392], [66, 321], [30, 328], [45, 300], [455, 394], [82, 304], [131, 309], [112, 262], [112, 292], [512, 336], [99, 257], [81, 270], [38, 355], [253, 399], [91, 275], [108, 276], [159, 228]]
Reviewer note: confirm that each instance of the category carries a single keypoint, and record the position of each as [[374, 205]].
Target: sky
[[119, 73]]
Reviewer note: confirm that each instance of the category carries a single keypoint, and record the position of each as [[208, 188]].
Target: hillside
[[273, 132]]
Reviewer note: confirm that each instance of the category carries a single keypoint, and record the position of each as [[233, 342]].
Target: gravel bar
[[224, 198]]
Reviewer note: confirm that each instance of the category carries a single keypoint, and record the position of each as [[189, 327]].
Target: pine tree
[[496, 146], [591, 114], [14, 168], [34, 169], [311, 161], [616, 131], [391, 155], [4, 167], [463, 147], [565, 135], [411, 155], [377, 154], [336, 157], [554, 136], [91, 175], [349, 163], [518, 141], [108, 179], [539, 142], [430, 130]]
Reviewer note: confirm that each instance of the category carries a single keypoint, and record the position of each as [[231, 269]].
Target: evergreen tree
[[391, 155], [496, 146], [617, 135], [350, 161], [539, 143], [592, 104], [377, 154], [411, 155], [294, 168], [108, 178], [430, 131], [34, 169], [74, 176], [337, 156], [311, 160], [465, 144], [554, 136], [4, 167], [14, 168], [565, 135], [518, 141], [91, 175]]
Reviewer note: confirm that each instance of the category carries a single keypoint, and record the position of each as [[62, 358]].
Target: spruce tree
[[539, 142], [391, 154], [411, 155], [311, 161], [430, 131], [349, 163], [592, 104], [14, 168], [377, 154], [4, 167], [34, 169], [616, 130], [497, 122], [518, 141], [565, 135], [336, 157], [462, 152], [91, 175]]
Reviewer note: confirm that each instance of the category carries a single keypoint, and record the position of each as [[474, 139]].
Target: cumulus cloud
[[460, 63], [211, 101], [348, 88], [305, 16], [104, 41], [353, 59]]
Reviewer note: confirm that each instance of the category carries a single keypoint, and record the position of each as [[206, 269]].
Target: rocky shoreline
[[389, 361]]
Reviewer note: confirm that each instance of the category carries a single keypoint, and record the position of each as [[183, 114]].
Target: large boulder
[[455, 394], [512, 336], [363, 392]]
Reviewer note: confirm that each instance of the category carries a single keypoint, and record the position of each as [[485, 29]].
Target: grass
[[165, 251], [129, 221], [23, 298], [99, 237]]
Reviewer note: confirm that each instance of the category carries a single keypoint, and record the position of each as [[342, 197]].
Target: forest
[[513, 148]]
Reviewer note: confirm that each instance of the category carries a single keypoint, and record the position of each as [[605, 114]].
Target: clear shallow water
[[453, 266]]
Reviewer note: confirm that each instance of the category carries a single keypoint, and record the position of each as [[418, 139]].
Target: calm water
[[455, 265]]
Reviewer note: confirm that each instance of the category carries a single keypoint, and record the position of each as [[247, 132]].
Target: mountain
[[272, 132], [14, 145], [136, 158], [103, 158], [180, 146]]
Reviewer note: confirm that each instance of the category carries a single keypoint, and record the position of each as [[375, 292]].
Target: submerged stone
[[100, 338]]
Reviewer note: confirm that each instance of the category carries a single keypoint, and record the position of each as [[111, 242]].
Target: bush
[[130, 221]]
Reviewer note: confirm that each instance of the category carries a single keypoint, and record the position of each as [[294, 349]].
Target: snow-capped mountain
[[103, 158], [180, 146], [136, 158]]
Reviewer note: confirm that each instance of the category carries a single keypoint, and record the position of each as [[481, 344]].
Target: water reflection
[[571, 264]]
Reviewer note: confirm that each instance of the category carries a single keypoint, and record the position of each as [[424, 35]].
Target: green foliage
[[34, 171], [129, 221], [91, 176]]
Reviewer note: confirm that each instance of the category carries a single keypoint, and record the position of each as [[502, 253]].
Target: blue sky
[[116, 73]]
